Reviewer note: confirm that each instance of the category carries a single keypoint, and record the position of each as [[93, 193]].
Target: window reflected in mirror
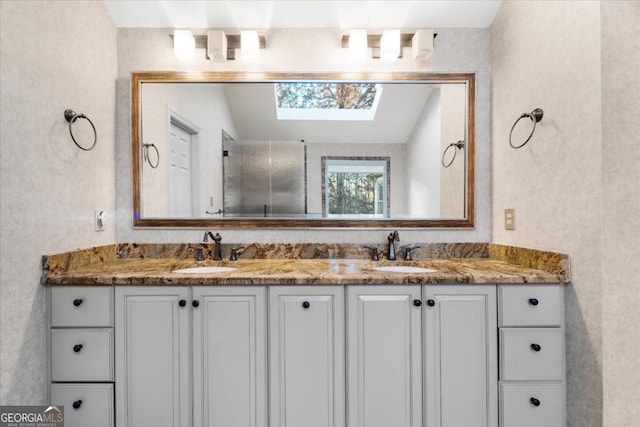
[[355, 187]]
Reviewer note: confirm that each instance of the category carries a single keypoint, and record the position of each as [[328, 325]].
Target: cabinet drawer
[[94, 404], [530, 305], [531, 354], [81, 306], [82, 354], [518, 408]]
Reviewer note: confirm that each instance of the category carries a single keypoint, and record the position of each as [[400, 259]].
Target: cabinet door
[[306, 334], [229, 356], [460, 352], [152, 356], [384, 349]]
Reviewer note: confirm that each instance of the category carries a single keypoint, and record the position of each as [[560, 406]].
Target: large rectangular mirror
[[302, 150]]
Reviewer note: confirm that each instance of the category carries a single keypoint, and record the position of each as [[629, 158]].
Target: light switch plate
[[510, 219]]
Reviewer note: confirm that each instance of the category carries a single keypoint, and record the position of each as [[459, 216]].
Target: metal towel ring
[[459, 145], [71, 117], [535, 116], [145, 154]]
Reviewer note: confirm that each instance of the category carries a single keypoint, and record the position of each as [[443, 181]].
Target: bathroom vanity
[[305, 342]]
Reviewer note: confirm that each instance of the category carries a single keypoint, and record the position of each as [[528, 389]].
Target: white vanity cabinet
[[422, 355], [81, 354], [451, 355], [306, 365], [532, 356], [460, 356], [152, 356], [384, 356], [191, 356]]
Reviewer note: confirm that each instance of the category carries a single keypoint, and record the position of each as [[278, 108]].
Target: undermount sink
[[204, 270], [404, 269]]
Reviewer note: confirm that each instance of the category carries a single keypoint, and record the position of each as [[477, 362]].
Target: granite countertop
[[305, 264]]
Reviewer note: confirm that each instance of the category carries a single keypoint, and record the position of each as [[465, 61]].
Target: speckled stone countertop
[[302, 264]]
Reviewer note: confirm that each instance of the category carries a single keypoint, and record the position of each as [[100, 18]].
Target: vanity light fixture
[[249, 45], [358, 44], [218, 45], [184, 44], [390, 45]]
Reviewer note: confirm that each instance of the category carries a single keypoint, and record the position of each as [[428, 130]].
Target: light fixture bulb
[[184, 44], [358, 44], [249, 45], [390, 45]]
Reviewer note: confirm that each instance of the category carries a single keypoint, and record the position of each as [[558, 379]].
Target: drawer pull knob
[[182, 303], [534, 401], [77, 404], [431, 302], [77, 302], [77, 348], [536, 347], [306, 304], [417, 302], [533, 301], [195, 303]]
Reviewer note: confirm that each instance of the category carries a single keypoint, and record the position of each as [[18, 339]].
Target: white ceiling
[[303, 14]]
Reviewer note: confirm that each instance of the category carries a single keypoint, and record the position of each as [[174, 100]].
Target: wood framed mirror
[[221, 149]]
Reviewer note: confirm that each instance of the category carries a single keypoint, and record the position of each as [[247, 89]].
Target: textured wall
[[456, 50], [53, 56], [621, 202], [549, 55]]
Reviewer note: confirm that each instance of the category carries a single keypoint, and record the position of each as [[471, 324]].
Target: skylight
[[327, 101]]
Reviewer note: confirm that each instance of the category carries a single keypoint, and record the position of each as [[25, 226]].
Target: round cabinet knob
[[536, 347], [195, 303], [306, 304], [431, 302], [77, 302], [77, 404], [534, 401], [182, 303], [533, 301], [77, 348], [417, 302]]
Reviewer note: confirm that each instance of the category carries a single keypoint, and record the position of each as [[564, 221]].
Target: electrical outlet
[[510, 219], [99, 219]]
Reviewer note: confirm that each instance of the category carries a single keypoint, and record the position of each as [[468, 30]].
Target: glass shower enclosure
[[264, 178]]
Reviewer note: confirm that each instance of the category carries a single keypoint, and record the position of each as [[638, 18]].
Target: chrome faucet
[[217, 253], [391, 249]]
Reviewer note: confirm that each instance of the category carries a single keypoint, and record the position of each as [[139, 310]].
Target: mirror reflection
[[311, 150]]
